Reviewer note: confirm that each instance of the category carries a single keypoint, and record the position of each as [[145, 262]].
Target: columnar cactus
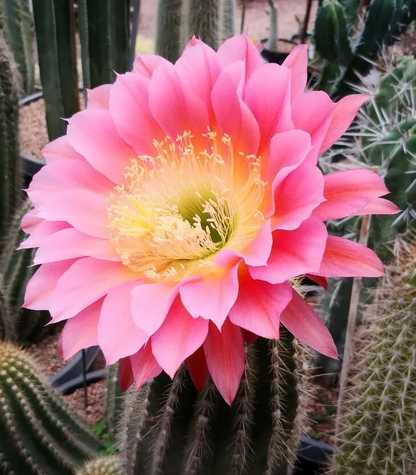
[[101, 466], [17, 24], [349, 55], [40, 435], [168, 40], [114, 401], [205, 21], [168, 427], [10, 175], [378, 423]]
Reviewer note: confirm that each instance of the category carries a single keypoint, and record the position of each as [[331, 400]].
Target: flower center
[[176, 210]]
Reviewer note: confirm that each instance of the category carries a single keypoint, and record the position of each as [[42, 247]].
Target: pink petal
[[312, 112], [348, 192], [197, 367], [86, 281], [287, 151], [125, 374], [258, 251], [92, 134], [294, 253], [344, 258], [118, 335], [198, 69], [83, 209], [233, 115], [238, 48], [67, 174], [129, 108], [272, 116], [42, 231], [211, 296], [81, 331], [70, 243], [146, 64], [301, 320], [42, 284], [58, 149], [224, 352], [144, 366], [297, 62], [31, 221], [99, 97], [259, 306], [297, 196], [176, 109], [343, 114], [179, 337], [318, 280], [379, 206], [151, 303]]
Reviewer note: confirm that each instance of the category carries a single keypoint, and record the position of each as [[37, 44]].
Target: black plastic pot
[[312, 457]]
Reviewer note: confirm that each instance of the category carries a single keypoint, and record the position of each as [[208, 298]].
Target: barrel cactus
[[378, 422], [40, 434], [169, 428], [101, 466]]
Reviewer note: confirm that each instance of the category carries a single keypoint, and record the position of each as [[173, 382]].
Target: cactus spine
[[169, 428], [40, 434], [17, 24], [378, 424], [101, 466], [10, 176]]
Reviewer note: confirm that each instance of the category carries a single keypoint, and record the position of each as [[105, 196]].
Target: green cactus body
[[10, 175], [101, 466], [17, 24], [378, 423], [205, 21], [169, 24], [114, 401], [168, 428], [40, 434], [229, 8]]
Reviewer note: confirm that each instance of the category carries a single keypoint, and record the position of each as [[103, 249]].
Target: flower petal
[[99, 97], [294, 253], [118, 335], [125, 374], [129, 108], [198, 369], [179, 337], [151, 303], [344, 258], [259, 305], [144, 366], [302, 321], [295, 198], [379, 206], [146, 64], [224, 352], [92, 134], [258, 251], [58, 149], [273, 116], [70, 243], [348, 192], [80, 287], [297, 62], [81, 331], [212, 296], [43, 283], [42, 231]]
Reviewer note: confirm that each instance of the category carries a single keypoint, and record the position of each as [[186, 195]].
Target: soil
[[45, 353]]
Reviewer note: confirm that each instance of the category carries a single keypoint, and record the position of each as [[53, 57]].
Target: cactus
[[205, 21], [104, 29], [347, 58], [40, 434], [55, 36], [114, 401], [101, 466], [378, 422], [168, 427], [168, 40], [228, 12], [10, 174], [17, 24]]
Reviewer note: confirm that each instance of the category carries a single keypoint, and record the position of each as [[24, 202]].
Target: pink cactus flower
[[173, 217]]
